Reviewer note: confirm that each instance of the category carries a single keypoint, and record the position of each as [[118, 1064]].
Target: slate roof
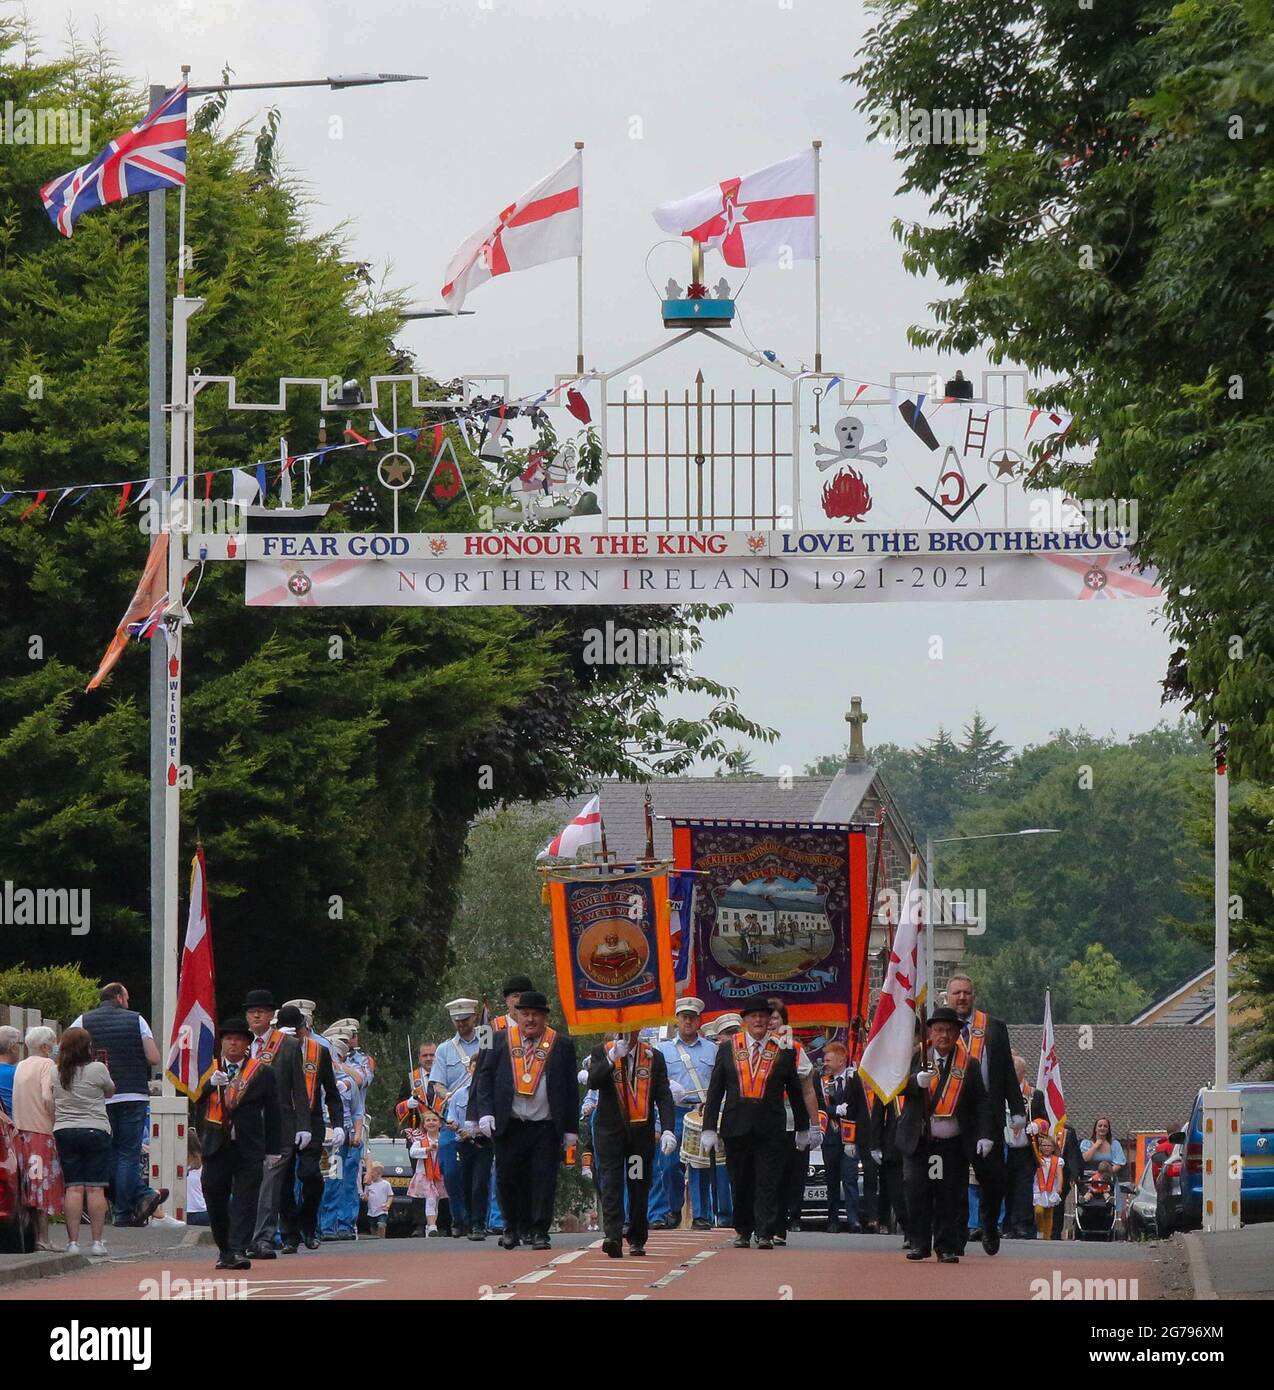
[[726, 798], [1193, 1003], [1144, 1077]]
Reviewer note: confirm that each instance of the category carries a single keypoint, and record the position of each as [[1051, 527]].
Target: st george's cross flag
[[886, 1060], [1048, 1079], [584, 830], [545, 224], [191, 1054], [150, 156], [762, 218]]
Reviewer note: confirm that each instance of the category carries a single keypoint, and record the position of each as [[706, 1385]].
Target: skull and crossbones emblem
[[849, 435]]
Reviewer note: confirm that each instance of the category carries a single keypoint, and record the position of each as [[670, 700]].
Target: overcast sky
[[713, 88]]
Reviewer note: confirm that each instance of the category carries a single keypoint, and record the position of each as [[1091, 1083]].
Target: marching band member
[[473, 1154], [453, 1065], [722, 1028], [630, 1077], [689, 1058], [512, 990], [527, 1100], [847, 1128], [751, 1077], [416, 1090], [336, 1222], [241, 1125], [948, 1118], [300, 1223]]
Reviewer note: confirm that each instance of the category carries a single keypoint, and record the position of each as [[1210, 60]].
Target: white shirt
[[380, 1197], [124, 1095], [803, 1068], [194, 1190], [534, 1107]]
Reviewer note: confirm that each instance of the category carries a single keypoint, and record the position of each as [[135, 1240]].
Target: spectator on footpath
[[123, 1041], [10, 1056], [196, 1207], [39, 1169], [81, 1089], [1103, 1146], [380, 1197]]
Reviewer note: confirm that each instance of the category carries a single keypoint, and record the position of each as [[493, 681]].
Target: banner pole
[[579, 274], [818, 258]]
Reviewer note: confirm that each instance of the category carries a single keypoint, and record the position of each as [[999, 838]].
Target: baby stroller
[[1095, 1209]]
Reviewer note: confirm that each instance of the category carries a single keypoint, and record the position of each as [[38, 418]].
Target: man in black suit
[[752, 1074], [299, 1223], [527, 1099], [946, 1124], [847, 1134], [631, 1081], [888, 1159], [987, 1039], [240, 1128]]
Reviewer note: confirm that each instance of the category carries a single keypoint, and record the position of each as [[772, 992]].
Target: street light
[[336, 83], [951, 840]]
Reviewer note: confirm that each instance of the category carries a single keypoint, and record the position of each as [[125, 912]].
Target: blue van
[[1257, 1194]]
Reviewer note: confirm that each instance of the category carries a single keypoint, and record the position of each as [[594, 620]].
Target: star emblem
[[396, 472], [1004, 465]]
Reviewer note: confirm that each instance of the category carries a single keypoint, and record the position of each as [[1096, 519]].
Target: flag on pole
[[545, 224], [191, 1055], [886, 1060], [584, 830], [764, 218], [1048, 1079], [141, 618], [681, 887], [150, 156]]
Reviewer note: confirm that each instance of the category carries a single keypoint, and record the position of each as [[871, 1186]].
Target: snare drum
[[692, 1153]]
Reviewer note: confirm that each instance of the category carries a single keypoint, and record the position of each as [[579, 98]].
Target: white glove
[[708, 1141], [469, 1129], [842, 1109], [413, 1104], [582, 1078], [486, 1125], [586, 1174], [985, 1146], [877, 1156], [301, 1139], [679, 1092], [219, 1078], [805, 1138], [924, 1078], [668, 1142], [1017, 1122], [618, 1049], [338, 1138], [587, 1109], [1034, 1128]]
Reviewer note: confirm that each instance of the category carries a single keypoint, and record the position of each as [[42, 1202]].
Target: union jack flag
[[152, 155]]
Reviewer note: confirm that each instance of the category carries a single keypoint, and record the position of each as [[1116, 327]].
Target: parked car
[[393, 1157], [17, 1229], [1256, 1195], [1170, 1187], [1141, 1206]]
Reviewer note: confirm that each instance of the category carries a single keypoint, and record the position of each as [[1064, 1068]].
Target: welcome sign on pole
[[490, 568]]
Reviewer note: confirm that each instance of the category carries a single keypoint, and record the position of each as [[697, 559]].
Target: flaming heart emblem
[[847, 496]]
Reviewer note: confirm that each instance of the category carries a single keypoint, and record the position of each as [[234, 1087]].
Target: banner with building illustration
[[613, 952], [779, 907]]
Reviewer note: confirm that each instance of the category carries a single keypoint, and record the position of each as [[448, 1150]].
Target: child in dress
[[427, 1181]]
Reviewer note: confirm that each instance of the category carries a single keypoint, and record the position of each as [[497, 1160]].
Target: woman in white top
[[39, 1169], [82, 1129]]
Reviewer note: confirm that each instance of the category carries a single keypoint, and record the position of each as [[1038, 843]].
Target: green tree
[[338, 756], [1011, 982], [983, 756], [1100, 990]]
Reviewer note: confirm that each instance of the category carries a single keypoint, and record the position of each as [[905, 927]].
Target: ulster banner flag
[[191, 1051], [1048, 1079]]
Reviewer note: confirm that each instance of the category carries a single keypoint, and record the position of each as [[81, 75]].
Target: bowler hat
[[758, 1003], [290, 1016], [259, 999], [237, 1026], [944, 1015], [533, 999], [515, 984]]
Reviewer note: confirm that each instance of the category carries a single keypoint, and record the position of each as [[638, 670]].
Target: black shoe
[[312, 1242], [833, 1227], [917, 1254], [948, 1259], [460, 1232], [289, 1247], [148, 1206], [541, 1243], [478, 1233], [764, 1244], [991, 1240], [670, 1222], [853, 1230], [637, 1250], [260, 1252], [613, 1248], [509, 1242], [234, 1259], [742, 1242], [701, 1223]]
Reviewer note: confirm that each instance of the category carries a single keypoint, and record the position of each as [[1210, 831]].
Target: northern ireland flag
[[1048, 1079], [584, 830], [763, 218], [886, 1060], [545, 224], [191, 1051]]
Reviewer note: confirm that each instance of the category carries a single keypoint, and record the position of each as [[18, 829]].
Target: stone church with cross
[[855, 793]]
